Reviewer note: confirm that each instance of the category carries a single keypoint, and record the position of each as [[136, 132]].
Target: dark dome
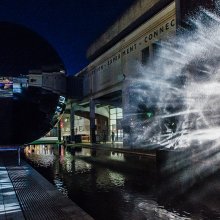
[[31, 85], [22, 50]]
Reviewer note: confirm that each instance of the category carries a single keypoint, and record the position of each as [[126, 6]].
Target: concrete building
[[132, 39]]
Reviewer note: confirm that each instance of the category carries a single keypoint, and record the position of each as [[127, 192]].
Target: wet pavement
[[120, 186], [9, 204], [25, 194], [108, 185]]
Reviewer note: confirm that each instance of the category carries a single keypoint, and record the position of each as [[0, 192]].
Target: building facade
[[132, 40]]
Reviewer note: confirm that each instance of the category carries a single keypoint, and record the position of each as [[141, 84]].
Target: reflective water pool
[[115, 186]]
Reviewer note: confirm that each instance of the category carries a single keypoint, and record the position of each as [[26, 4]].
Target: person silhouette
[[113, 137], [104, 137]]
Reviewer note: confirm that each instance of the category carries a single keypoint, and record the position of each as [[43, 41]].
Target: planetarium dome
[[32, 85]]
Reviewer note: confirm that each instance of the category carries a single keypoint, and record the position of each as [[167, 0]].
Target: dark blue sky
[[70, 26]]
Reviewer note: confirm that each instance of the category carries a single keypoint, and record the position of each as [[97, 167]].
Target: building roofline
[[133, 17]]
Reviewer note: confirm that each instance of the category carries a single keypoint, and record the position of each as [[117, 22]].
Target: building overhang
[[136, 15]]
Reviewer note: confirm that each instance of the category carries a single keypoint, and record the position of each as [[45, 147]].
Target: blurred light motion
[[181, 88]]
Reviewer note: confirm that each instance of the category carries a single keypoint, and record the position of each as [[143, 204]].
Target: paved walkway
[[9, 205], [25, 194]]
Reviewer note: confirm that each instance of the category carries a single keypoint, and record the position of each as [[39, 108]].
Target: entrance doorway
[[116, 115]]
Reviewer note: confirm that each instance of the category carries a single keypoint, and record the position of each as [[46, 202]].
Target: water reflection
[[58, 182], [152, 210], [117, 156], [121, 192], [107, 179], [39, 149], [84, 152], [44, 154]]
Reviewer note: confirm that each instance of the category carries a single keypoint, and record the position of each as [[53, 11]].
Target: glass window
[[156, 48], [145, 55], [119, 110], [114, 127], [116, 114], [119, 115], [112, 111], [113, 122], [113, 116]]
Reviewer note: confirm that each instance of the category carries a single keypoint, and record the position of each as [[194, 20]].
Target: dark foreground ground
[[25, 194]]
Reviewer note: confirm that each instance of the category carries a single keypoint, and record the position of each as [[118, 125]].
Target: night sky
[[70, 26]]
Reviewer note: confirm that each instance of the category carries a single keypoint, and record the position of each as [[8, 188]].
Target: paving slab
[[26, 194], [9, 204]]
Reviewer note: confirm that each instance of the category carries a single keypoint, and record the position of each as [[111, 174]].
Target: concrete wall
[[106, 74], [55, 82], [125, 22]]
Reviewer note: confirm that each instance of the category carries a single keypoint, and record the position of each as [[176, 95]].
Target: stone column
[[72, 123], [59, 131], [19, 155], [126, 119], [178, 13], [92, 121]]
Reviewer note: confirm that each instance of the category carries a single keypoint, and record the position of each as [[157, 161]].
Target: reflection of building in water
[[43, 155], [41, 149], [117, 156], [81, 166], [109, 179]]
